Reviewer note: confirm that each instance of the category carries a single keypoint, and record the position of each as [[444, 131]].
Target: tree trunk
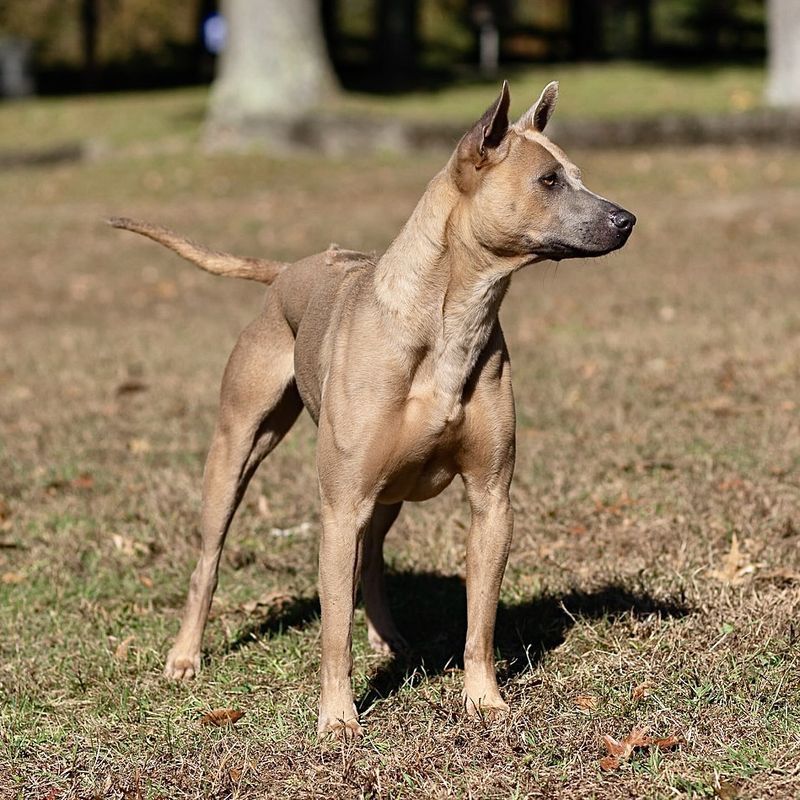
[[274, 66], [783, 36]]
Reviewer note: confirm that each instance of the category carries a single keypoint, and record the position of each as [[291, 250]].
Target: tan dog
[[403, 365]]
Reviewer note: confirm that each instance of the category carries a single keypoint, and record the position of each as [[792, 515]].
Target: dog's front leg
[[343, 528], [487, 553]]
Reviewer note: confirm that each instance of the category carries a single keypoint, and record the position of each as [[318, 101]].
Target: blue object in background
[[215, 32]]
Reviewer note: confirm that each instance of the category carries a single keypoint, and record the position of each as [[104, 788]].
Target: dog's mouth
[[557, 251], [564, 251]]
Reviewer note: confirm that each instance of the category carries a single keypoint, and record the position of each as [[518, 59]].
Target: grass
[[171, 119], [657, 401], [588, 90]]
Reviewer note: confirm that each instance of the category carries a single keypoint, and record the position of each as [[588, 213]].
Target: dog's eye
[[549, 180]]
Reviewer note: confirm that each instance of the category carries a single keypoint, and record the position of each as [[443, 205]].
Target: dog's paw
[[390, 645], [489, 707], [180, 667], [338, 729]]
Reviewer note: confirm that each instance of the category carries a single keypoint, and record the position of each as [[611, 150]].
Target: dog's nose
[[622, 219]]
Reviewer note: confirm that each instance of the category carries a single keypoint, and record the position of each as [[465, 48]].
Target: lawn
[[654, 580], [136, 122]]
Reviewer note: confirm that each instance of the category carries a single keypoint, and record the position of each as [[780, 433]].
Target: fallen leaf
[[220, 717], [614, 507], [578, 529], [642, 690], [130, 387], [619, 751], [234, 774], [146, 581], [5, 510], [666, 743], [586, 702], [128, 546], [735, 566], [139, 446], [121, 653], [84, 481], [12, 578]]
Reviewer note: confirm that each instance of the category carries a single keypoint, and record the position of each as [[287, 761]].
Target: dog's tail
[[254, 269]]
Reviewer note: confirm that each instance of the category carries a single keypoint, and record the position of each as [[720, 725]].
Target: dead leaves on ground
[[642, 691], [82, 482], [139, 446], [586, 702], [621, 751], [128, 546], [734, 567], [131, 386], [220, 717], [121, 651]]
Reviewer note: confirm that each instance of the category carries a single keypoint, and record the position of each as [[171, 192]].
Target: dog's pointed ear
[[538, 115], [487, 133]]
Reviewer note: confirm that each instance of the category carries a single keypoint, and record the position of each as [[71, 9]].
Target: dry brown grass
[[657, 397]]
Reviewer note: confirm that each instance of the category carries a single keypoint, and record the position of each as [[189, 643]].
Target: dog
[[402, 364]]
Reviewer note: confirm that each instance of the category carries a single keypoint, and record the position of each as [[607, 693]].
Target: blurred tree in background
[[784, 52], [275, 62], [381, 44], [108, 43]]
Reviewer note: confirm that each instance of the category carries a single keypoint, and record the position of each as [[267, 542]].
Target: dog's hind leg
[[383, 634], [259, 402]]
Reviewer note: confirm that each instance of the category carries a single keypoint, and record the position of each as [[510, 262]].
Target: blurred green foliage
[[140, 42], [127, 28]]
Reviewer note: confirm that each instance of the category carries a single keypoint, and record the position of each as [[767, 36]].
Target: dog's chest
[[427, 452]]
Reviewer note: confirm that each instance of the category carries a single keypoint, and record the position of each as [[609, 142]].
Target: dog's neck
[[441, 292]]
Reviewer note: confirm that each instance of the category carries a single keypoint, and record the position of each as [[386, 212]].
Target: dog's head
[[524, 198]]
